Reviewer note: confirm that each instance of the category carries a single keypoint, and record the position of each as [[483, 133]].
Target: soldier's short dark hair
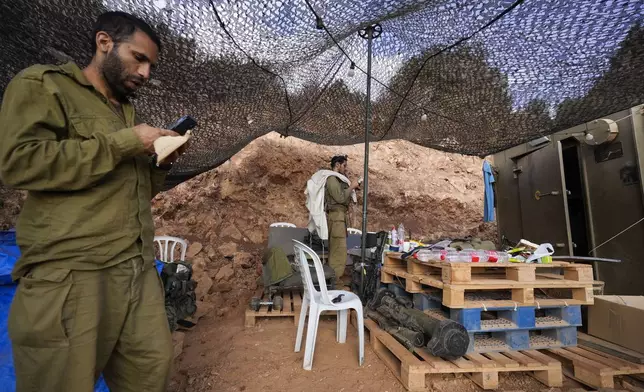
[[338, 159], [120, 26]]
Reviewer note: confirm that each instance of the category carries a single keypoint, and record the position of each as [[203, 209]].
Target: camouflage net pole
[[369, 33]]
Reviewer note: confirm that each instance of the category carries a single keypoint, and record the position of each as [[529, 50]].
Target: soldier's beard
[[115, 76]]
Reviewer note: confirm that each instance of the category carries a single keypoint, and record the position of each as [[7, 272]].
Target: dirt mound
[[434, 194], [229, 209]]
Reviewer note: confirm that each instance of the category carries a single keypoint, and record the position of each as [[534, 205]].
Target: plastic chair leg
[[311, 333], [300, 325], [360, 334], [338, 325], [342, 325]]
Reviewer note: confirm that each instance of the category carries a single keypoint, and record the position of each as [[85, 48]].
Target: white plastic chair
[[282, 224], [351, 230], [317, 302], [167, 246]]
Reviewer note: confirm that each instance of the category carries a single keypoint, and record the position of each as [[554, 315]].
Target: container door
[[542, 190]]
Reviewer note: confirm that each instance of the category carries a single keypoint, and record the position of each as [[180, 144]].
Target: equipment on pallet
[[365, 279], [447, 338], [405, 336], [180, 297], [277, 303]]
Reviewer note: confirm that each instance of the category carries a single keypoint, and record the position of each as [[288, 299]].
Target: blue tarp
[[9, 254]]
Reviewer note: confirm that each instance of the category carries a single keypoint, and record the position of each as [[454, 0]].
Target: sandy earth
[[222, 355]]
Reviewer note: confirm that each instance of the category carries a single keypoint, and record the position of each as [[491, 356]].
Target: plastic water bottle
[[497, 257], [471, 256], [394, 236], [453, 256], [401, 235]]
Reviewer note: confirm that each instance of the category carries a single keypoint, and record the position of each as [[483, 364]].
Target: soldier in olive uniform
[[337, 198], [89, 299]]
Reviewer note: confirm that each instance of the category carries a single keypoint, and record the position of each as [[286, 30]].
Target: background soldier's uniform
[[337, 198], [89, 299]]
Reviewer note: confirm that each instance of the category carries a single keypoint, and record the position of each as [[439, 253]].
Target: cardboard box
[[618, 319]]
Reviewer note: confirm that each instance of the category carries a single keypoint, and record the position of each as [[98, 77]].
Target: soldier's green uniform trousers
[[69, 326], [336, 221]]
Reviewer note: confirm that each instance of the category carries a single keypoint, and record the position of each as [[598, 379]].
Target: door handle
[[538, 195]]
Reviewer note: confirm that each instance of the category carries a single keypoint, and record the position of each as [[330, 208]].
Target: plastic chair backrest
[[167, 246], [351, 230], [301, 251], [282, 224]]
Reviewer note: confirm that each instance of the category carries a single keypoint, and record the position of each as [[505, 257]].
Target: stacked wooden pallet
[[509, 310], [466, 285], [524, 328], [411, 367], [503, 306]]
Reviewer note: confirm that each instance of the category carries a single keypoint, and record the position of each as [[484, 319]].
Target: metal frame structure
[[369, 33]]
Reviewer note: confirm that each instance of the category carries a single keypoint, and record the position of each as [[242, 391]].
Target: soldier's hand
[[147, 135]]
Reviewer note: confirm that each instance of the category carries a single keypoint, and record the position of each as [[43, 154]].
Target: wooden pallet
[[610, 348], [593, 367], [292, 306], [521, 280], [453, 273], [411, 368]]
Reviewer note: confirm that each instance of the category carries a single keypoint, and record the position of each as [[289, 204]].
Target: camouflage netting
[[487, 74]]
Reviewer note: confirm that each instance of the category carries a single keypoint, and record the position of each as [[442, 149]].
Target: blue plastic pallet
[[507, 318], [520, 328], [522, 340]]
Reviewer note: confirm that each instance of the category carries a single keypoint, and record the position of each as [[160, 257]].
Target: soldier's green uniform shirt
[[89, 183], [337, 198], [89, 300]]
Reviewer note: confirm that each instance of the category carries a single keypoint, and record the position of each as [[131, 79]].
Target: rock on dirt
[[194, 249], [243, 260], [204, 283], [222, 287], [203, 308], [228, 249], [177, 342], [225, 273]]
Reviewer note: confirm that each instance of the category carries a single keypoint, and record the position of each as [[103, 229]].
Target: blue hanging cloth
[[488, 180]]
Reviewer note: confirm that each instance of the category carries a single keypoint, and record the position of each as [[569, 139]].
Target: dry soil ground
[[221, 355]]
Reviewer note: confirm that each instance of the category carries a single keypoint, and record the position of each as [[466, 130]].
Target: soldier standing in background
[[337, 197]]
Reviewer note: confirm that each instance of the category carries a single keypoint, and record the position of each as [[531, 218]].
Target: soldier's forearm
[[66, 165]]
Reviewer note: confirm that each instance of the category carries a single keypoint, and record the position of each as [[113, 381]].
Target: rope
[[223, 26], [613, 237]]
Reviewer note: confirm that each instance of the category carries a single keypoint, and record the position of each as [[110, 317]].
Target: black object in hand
[[183, 125]]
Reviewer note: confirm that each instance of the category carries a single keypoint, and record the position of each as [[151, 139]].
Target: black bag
[[180, 297], [314, 242]]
